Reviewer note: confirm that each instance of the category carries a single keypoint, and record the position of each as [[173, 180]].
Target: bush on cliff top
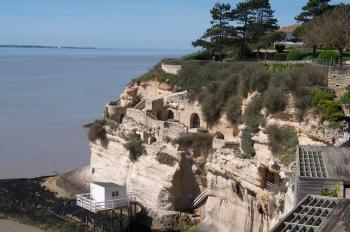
[[201, 143], [96, 131], [247, 144]]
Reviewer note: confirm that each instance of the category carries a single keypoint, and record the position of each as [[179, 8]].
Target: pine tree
[[313, 9], [254, 18], [220, 34]]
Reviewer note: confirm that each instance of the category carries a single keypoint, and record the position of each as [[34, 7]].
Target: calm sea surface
[[46, 95]]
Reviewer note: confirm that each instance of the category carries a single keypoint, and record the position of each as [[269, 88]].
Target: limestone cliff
[[240, 194]]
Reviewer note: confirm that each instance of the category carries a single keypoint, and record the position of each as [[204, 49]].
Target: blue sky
[[170, 24]]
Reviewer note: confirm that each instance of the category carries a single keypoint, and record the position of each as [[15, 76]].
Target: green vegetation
[[96, 131], [202, 130], [135, 148], [282, 141], [280, 56], [156, 73], [296, 54], [201, 143], [334, 192], [328, 57], [165, 158], [247, 144], [252, 116], [346, 98], [275, 100], [233, 109], [280, 47]]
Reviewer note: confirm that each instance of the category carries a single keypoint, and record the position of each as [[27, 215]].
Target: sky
[[161, 24]]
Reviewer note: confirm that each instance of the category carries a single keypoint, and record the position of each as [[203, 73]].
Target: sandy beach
[[13, 226]]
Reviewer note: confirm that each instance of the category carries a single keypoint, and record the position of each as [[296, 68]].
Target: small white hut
[[103, 196]]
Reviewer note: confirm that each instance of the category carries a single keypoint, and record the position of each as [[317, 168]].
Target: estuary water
[[46, 95]]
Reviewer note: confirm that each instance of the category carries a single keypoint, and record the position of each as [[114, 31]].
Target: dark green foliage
[[254, 19], [328, 57], [135, 148], [319, 96], [282, 141], [233, 109], [275, 100], [283, 67], [296, 54], [201, 143], [280, 47], [280, 56], [220, 34], [331, 110], [312, 9], [252, 116], [165, 158], [97, 131], [219, 135], [345, 99], [247, 144]]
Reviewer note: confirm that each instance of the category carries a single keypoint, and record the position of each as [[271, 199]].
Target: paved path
[[12, 226]]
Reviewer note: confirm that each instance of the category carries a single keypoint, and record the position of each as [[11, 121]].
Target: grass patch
[[135, 148]]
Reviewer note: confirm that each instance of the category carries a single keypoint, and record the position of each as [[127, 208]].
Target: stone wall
[[339, 80], [171, 69]]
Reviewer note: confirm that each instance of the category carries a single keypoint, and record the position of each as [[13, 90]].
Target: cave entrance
[[170, 114], [195, 121]]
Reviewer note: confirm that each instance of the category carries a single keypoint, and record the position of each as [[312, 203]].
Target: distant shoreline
[[40, 46]]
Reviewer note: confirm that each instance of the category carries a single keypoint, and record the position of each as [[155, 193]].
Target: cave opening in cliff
[[170, 114], [195, 121]]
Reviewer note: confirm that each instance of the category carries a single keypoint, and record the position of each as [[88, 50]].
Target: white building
[[103, 196]]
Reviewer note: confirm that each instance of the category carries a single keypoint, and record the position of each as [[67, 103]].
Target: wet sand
[[9, 225]]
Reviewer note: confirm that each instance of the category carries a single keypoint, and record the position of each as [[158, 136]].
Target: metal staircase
[[201, 197]]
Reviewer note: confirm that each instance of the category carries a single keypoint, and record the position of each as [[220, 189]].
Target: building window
[[195, 121], [115, 193]]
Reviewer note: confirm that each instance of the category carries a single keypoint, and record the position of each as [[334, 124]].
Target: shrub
[[280, 56], [219, 135], [296, 54], [280, 47], [345, 99], [275, 100], [233, 109], [135, 148], [331, 110], [252, 116], [247, 144], [319, 95], [165, 158], [328, 57], [282, 141], [97, 131], [199, 142]]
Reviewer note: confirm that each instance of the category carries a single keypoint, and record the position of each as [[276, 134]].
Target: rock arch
[[195, 121]]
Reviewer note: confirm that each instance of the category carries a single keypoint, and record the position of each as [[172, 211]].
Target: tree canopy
[[221, 33], [332, 29], [313, 9]]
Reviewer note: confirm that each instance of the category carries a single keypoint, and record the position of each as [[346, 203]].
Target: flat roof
[[107, 184], [317, 214], [324, 162]]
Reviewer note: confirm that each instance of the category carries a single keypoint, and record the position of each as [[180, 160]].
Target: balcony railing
[[87, 202]]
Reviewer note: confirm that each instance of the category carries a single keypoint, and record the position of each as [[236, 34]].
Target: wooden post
[[121, 220]]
